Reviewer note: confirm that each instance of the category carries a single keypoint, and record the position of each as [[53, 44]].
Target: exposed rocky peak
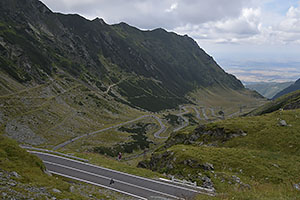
[[99, 20]]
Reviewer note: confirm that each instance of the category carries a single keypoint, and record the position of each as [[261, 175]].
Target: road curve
[[162, 128], [186, 121], [212, 110], [204, 114], [196, 111], [139, 187], [233, 114], [156, 134]]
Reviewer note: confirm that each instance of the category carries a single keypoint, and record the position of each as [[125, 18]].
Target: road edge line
[[140, 177], [116, 180], [92, 183]]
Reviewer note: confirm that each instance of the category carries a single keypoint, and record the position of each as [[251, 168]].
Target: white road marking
[[116, 180], [78, 179], [154, 181]]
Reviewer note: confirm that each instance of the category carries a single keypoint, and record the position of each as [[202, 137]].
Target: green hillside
[[286, 102], [291, 88], [22, 177], [268, 89], [254, 157]]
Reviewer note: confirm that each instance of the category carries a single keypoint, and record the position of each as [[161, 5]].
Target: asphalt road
[[138, 187], [197, 112], [156, 134], [204, 114], [186, 121]]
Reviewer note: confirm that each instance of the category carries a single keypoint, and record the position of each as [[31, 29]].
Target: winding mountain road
[[162, 128], [212, 112], [135, 186], [156, 134], [186, 121], [197, 112], [204, 114]]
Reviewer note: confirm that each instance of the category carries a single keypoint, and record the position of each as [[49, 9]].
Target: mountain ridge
[[268, 89], [291, 88], [166, 64]]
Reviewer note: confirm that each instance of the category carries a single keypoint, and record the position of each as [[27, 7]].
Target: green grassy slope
[[292, 88], [264, 155], [48, 114], [32, 182], [286, 102]]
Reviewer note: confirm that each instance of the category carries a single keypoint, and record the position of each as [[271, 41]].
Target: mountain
[[268, 89], [62, 76], [292, 88], [153, 70]]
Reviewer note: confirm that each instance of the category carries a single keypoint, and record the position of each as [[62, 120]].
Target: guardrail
[[183, 182], [188, 184], [54, 152]]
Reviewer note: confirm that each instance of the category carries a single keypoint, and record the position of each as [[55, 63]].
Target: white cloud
[[172, 7], [250, 27], [246, 24], [230, 30], [292, 21], [149, 14]]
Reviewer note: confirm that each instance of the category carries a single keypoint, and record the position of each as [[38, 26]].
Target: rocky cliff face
[[153, 70]]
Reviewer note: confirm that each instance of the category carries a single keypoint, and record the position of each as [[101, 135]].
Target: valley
[[82, 95], [52, 112]]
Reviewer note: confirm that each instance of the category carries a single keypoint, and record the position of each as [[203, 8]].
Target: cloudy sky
[[257, 40]]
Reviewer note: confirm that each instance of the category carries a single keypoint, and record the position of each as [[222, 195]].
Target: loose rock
[[297, 186], [282, 123], [56, 190], [236, 179], [15, 174], [208, 166], [207, 183], [72, 189]]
